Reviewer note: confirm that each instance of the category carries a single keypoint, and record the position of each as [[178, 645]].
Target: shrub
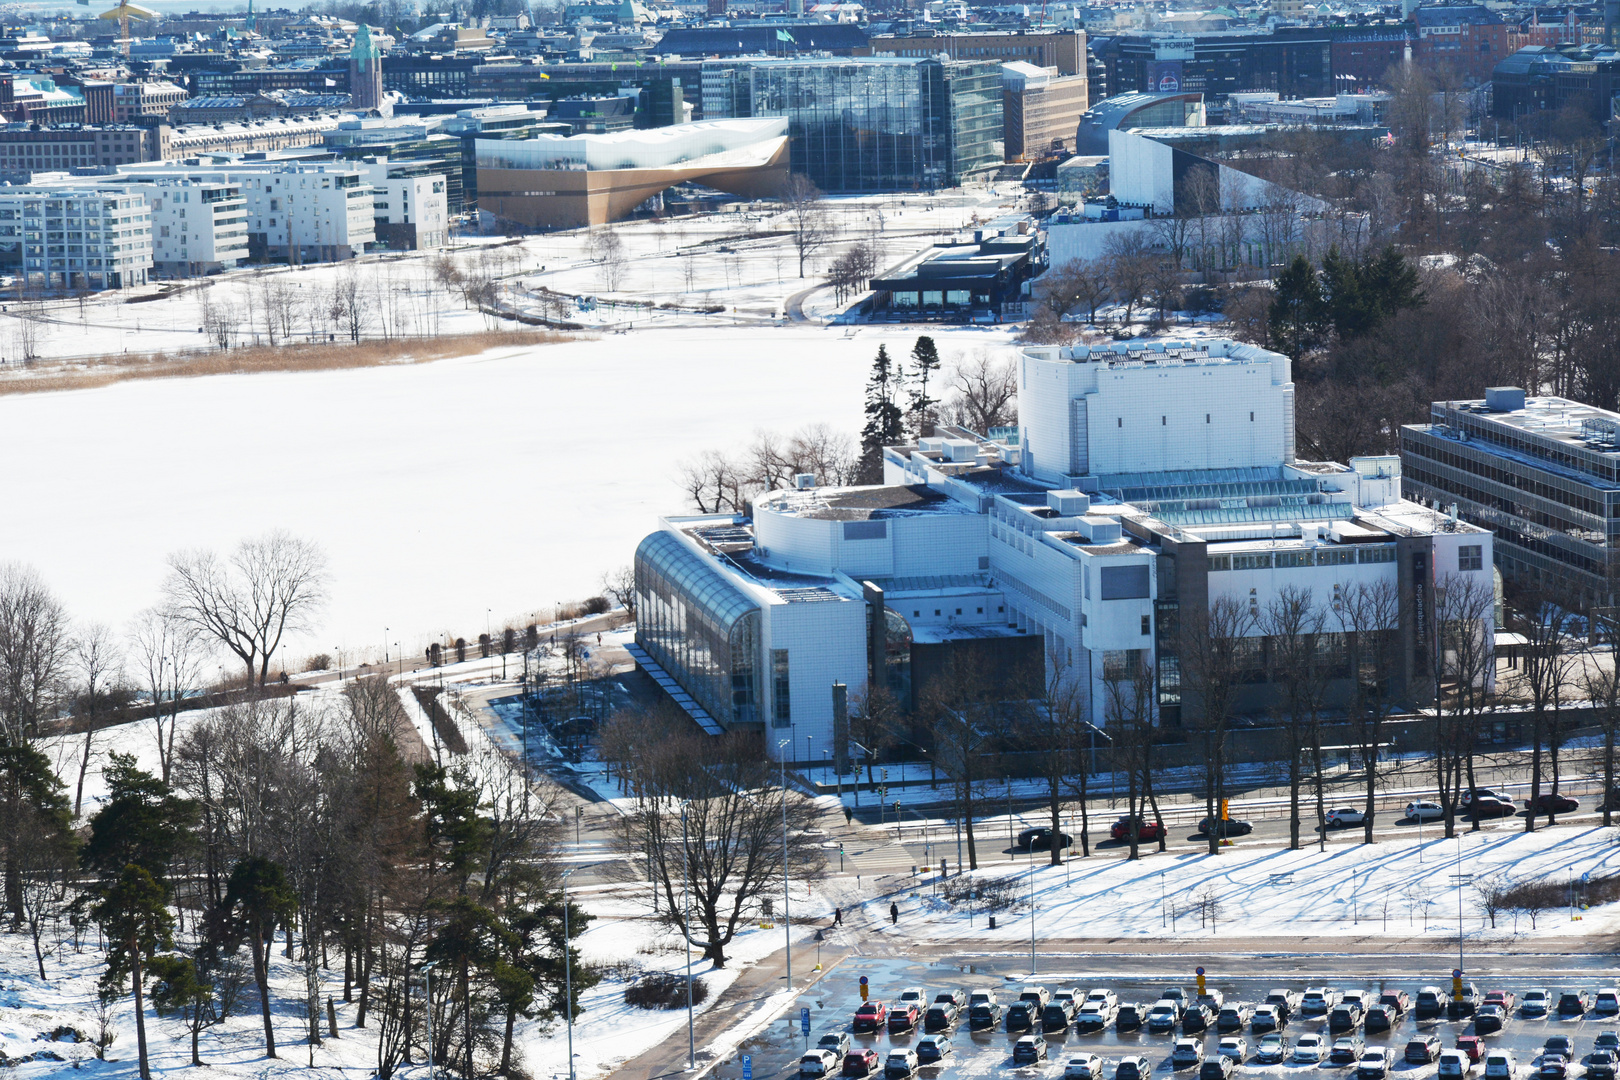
[[596, 605], [985, 895], [318, 662], [663, 990]]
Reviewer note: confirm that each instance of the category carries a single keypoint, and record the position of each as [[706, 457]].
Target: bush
[[318, 662], [663, 990], [985, 895], [596, 605]]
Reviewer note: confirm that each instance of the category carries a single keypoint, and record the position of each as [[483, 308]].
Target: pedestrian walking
[[838, 916], [894, 913]]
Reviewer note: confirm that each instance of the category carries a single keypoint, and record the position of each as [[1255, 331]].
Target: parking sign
[[748, 1067], [804, 1020]]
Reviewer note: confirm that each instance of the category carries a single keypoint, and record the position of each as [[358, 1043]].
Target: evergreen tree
[[142, 823], [257, 899], [1297, 312], [134, 914], [30, 796], [884, 420], [924, 362], [1346, 305], [471, 940], [1391, 283]]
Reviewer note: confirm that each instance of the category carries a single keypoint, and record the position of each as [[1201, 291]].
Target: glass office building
[[699, 627], [870, 123]]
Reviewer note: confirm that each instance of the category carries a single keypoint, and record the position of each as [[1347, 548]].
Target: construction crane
[[124, 12]]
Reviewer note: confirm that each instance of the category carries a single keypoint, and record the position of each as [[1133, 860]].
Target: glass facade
[[870, 124], [702, 629]]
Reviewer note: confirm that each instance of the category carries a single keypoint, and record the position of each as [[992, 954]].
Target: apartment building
[[198, 227], [71, 240], [409, 205]]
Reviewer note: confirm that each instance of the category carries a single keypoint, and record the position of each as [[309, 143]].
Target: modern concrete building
[[1147, 485], [1040, 110], [408, 204], [133, 101], [198, 227], [1064, 50], [1542, 473], [554, 181], [68, 240]]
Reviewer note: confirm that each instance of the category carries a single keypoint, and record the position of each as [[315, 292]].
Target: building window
[[1471, 557], [779, 693], [1147, 624]]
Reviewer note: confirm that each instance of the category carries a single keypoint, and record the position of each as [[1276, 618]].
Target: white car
[[1309, 1048], [818, 1062], [1265, 1018], [1607, 1001], [1499, 1064], [1107, 997], [1454, 1064], [914, 995], [1083, 1067], [1318, 1001], [1375, 1063], [1359, 997], [1424, 810], [1345, 815], [900, 1063], [1535, 1002], [1233, 1047]]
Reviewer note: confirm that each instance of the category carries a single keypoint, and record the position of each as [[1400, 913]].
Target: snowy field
[[497, 484]]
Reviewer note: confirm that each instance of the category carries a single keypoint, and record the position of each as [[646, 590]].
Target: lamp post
[[428, 969], [1032, 909], [787, 919], [686, 896], [568, 977], [385, 650]]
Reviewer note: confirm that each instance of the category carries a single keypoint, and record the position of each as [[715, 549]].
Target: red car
[[860, 1062], [869, 1018], [1503, 998], [1472, 1046], [904, 1016], [1145, 830], [1549, 803]]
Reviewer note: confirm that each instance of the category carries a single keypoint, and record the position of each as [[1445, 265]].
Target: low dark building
[[1545, 78], [983, 281], [785, 39]]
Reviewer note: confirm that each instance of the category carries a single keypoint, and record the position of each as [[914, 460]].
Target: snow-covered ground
[[1262, 890], [444, 493]]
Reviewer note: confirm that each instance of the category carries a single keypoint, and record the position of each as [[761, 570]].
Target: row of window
[[1327, 556], [1523, 477]]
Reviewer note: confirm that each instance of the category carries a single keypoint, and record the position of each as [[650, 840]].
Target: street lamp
[[428, 969], [568, 977], [686, 896], [1032, 909], [787, 919]]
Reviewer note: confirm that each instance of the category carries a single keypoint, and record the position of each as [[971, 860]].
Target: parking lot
[[989, 1053]]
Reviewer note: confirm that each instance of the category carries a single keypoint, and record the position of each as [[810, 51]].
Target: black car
[[1345, 1016], [1489, 1019], [1574, 1003], [1130, 1017], [1196, 1020], [941, 1015], [1224, 827], [1492, 808], [1041, 840], [1058, 1016], [1381, 1017], [1022, 1016]]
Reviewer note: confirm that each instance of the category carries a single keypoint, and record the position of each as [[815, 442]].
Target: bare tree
[[605, 247], [270, 586], [1129, 258], [807, 216], [168, 655], [983, 393], [1077, 284], [100, 664], [1368, 614], [1547, 658], [1464, 609], [1216, 659], [34, 653], [1128, 716], [1294, 624]]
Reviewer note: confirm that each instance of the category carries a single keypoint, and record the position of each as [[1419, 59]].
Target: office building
[[870, 124], [1470, 39], [25, 150], [1295, 61], [1040, 110], [40, 99], [1542, 473], [555, 181], [773, 39], [1064, 50], [984, 281], [1146, 485], [135, 101], [1541, 79], [71, 240]]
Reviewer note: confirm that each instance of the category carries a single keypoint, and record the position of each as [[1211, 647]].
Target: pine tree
[[257, 900], [1391, 284], [134, 913], [924, 361], [884, 420], [1297, 312], [1347, 305]]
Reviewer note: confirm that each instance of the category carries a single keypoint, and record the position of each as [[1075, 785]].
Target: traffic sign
[[863, 988], [748, 1067], [1198, 971], [804, 1020], [1456, 973], [1586, 879], [863, 980]]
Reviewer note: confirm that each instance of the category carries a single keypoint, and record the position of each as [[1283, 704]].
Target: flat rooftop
[[1586, 426], [863, 503]]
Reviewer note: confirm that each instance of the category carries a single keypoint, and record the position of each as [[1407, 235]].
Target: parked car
[[1422, 1050], [932, 1048], [1380, 1017], [1499, 1065], [903, 1016], [1473, 794], [1552, 1067], [1036, 994], [1606, 1002], [1131, 1015], [914, 995], [1041, 840], [1234, 1047], [1492, 808], [1175, 994], [869, 1017], [1216, 1068], [861, 1062], [1346, 1050], [1431, 1003], [1607, 1040], [1103, 996], [1503, 998], [1559, 1045], [1318, 1000], [1309, 1048], [1133, 1067], [1400, 1000], [1265, 1018], [1454, 1065], [1574, 1003], [1345, 1016], [1196, 1020], [1093, 1016], [1083, 1067], [956, 996], [1424, 810], [1029, 1050], [818, 1061], [1213, 1000], [1490, 1018], [1058, 1015], [1473, 1046], [1375, 1063], [941, 1016], [1549, 802], [1145, 830], [1342, 816], [1023, 1016], [1535, 1002], [836, 1041], [984, 1012], [1224, 827], [1232, 1018], [1463, 1004], [900, 1063], [1287, 1002], [1272, 1049], [1186, 1053], [1600, 1065], [1162, 1018]]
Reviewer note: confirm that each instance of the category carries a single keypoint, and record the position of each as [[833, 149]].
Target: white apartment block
[[1147, 483], [412, 211], [306, 213], [72, 240], [198, 227]]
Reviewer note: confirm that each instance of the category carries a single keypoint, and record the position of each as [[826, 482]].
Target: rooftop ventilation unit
[[1504, 398], [960, 449], [804, 481], [1069, 503]]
